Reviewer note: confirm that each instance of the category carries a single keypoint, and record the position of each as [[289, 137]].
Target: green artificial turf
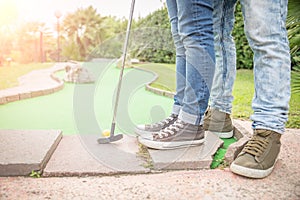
[[166, 75], [46, 112], [218, 160], [88, 108]]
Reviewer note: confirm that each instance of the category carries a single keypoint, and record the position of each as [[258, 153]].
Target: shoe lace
[[170, 130], [256, 145], [163, 122]]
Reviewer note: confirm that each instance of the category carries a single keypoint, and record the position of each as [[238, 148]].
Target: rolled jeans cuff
[[189, 118], [176, 109]]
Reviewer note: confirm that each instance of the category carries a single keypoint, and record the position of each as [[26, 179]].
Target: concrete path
[[283, 183]]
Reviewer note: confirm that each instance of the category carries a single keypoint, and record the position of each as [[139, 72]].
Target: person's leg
[[217, 118], [147, 130], [196, 33], [180, 57], [267, 36], [221, 93]]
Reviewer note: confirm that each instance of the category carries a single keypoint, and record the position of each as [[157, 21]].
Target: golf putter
[[112, 137]]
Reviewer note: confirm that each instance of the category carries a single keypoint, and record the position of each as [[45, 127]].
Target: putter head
[[110, 139]]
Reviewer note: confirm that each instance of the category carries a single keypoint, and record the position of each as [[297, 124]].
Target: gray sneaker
[[218, 122], [259, 156], [146, 130], [177, 135]]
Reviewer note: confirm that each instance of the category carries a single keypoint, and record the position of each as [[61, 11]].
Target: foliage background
[[85, 34]]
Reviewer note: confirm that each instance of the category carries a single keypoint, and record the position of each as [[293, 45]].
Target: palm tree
[[83, 28]]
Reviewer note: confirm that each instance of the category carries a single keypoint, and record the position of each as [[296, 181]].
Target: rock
[[128, 63], [78, 74]]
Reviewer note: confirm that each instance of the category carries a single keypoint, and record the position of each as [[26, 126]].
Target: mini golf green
[[63, 110]]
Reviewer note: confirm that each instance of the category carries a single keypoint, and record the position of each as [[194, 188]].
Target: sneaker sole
[[169, 145], [250, 173], [144, 134], [223, 135]]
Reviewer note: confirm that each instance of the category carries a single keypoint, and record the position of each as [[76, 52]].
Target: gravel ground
[[204, 184]]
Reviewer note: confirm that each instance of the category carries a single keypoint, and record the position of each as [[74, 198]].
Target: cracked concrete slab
[[197, 157], [22, 151], [82, 155], [242, 132]]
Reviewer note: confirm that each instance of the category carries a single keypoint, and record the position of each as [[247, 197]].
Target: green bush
[[161, 43], [153, 40], [293, 25], [157, 46]]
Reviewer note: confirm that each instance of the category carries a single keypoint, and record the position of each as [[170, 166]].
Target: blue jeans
[[267, 36], [192, 31]]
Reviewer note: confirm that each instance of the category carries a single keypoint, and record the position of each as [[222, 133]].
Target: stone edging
[[21, 91], [155, 90]]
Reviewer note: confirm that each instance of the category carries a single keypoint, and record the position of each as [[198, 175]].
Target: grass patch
[[144, 154], [166, 75], [243, 91], [294, 114], [9, 74]]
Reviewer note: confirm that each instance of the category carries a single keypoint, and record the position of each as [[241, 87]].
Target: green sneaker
[[218, 122], [259, 156]]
